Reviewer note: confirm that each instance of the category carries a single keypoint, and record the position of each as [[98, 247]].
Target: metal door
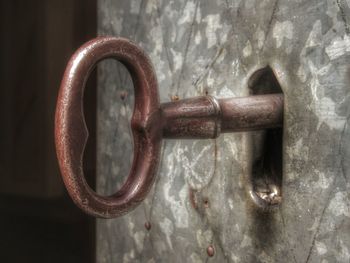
[[198, 209]]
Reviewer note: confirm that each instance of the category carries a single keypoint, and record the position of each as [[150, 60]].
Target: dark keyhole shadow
[[264, 179]]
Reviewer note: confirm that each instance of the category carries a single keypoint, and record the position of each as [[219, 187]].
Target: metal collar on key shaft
[[207, 117], [200, 117]]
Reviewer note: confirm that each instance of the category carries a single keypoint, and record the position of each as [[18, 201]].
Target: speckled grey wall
[[213, 47]]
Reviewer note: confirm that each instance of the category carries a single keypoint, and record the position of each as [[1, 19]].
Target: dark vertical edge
[[53, 62], [85, 28], [6, 115]]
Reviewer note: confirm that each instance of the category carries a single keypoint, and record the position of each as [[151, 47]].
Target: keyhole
[[265, 171]]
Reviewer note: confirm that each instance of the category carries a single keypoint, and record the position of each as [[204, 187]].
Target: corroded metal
[[191, 118], [71, 132], [207, 117], [210, 251], [201, 117]]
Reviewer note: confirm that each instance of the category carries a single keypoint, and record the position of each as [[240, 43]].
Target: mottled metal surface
[[199, 199]]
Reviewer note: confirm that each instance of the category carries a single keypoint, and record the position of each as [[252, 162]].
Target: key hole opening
[[265, 179]]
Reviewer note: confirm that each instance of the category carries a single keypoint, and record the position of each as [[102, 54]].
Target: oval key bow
[[71, 132]]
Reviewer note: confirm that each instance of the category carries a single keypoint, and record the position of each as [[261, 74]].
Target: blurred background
[[38, 221]]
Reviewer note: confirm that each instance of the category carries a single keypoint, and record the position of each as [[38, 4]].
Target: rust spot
[[206, 202], [148, 225], [123, 95], [174, 98], [193, 198], [210, 250]]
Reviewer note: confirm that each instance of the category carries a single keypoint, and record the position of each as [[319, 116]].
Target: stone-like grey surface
[[214, 47]]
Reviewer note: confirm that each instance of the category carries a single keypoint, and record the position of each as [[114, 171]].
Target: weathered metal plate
[[213, 47]]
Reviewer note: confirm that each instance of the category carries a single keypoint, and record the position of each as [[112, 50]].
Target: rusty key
[[199, 117]]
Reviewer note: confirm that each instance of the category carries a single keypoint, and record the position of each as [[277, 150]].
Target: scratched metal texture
[[199, 198]]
